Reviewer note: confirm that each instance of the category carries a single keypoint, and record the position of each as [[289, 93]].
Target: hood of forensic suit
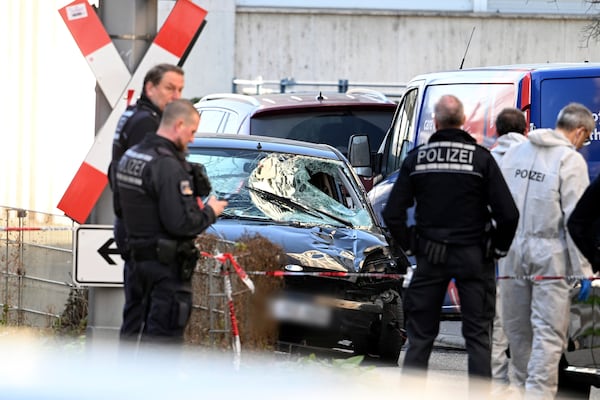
[[548, 137]]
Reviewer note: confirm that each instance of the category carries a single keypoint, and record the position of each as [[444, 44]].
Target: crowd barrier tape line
[[34, 228], [224, 257]]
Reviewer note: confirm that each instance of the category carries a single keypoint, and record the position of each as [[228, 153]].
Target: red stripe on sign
[[180, 27], [85, 26], [83, 192]]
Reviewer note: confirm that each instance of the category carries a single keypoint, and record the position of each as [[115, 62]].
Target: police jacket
[[458, 188], [138, 120], [157, 193]]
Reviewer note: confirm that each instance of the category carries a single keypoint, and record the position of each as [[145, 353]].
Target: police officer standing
[[163, 83], [162, 218], [459, 190]]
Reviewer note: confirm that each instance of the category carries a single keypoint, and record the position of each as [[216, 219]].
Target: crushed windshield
[[282, 187]]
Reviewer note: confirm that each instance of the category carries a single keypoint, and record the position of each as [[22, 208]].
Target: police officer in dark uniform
[[460, 195], [162, 217], [163, 83], [584, 224]]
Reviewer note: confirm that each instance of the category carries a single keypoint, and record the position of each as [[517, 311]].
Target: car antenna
[[320, 96], [467, 49]]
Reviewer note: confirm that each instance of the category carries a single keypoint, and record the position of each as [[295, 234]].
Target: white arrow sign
[[96, 259]]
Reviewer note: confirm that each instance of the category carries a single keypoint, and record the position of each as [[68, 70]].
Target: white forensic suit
[[499, 339], [546, 176]]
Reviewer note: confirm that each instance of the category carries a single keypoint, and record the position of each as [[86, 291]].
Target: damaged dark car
[[345, 290]]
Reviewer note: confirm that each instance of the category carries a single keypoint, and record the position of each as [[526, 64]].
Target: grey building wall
[[393, 46], [245, 40]]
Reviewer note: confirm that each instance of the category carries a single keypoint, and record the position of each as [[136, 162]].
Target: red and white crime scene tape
[[226, 260], [34, 228]]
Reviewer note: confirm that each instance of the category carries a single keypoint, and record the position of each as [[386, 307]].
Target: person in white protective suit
[[546, 176], [511, 127]]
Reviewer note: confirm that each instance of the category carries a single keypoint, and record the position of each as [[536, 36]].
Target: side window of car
[[402, 132], [230, 123], [211, 120]]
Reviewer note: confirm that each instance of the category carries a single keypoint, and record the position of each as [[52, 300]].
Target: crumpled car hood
[[328, 248]]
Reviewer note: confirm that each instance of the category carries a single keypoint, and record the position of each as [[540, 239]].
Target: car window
[[329, 127], [482, 103], [211, 119], [284, 187]]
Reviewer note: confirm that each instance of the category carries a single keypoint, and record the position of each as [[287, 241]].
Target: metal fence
[[36, 267]]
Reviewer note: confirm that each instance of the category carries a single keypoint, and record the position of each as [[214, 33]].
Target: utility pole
[[131, 25]]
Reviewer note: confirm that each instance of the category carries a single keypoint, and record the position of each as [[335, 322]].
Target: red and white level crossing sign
[[172, 42]]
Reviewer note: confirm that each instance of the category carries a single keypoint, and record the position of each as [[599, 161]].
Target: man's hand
[[217, 205]]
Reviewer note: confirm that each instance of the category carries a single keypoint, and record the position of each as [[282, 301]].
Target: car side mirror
[[359, 154], [359, 151]]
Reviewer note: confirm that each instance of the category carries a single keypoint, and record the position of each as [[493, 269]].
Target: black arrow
[[105, 251]]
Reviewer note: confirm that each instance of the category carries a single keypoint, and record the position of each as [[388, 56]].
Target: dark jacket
[[458, 189], [138, 120], [157, 193], [584, 224]]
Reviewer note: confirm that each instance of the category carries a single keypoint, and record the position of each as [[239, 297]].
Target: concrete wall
[[395, 46]]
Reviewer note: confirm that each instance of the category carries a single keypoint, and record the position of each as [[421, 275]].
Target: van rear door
[[553, 90]]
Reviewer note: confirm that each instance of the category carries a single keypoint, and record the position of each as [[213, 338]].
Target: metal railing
[[36, 266], [285, 85]]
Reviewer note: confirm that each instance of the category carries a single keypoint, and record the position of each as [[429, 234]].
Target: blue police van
[[540, 90]]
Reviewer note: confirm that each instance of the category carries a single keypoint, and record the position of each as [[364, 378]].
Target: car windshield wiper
[[315, 212], [226, 214]]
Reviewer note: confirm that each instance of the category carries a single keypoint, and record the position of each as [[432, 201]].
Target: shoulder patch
[[185, 188]]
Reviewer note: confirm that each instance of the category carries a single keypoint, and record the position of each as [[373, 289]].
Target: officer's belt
[[146, 252]]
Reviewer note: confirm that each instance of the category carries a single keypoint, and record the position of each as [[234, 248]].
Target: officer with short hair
[[163, 83], [458, 189], [162, 218]]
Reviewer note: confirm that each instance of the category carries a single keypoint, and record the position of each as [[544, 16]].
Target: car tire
[[392, 336]]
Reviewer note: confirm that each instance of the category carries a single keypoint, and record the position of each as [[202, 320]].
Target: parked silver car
[[316, 117]]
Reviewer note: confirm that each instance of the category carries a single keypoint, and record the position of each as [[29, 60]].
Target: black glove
[[435, 252], [202, 186]]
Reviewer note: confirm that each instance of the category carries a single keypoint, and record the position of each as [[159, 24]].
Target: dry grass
[[257, 331]]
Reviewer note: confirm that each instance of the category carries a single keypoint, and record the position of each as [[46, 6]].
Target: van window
[[553, 97], [482, 104], [403, 132], [557, 93]]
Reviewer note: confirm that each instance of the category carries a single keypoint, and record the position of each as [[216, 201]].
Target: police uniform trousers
[[476, 284], [167, 300], [133, 310]]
